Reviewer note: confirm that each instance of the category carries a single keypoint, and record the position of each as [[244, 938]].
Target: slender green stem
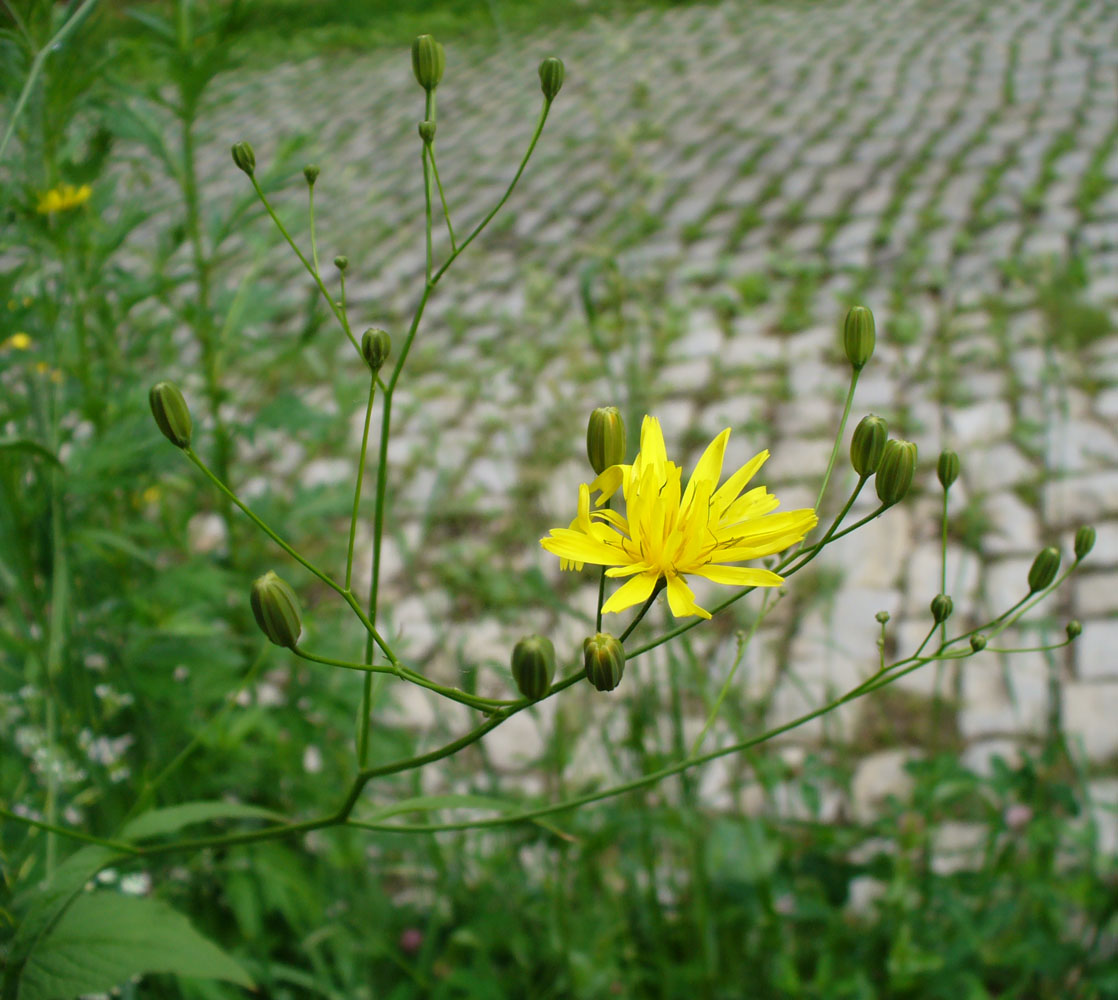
[[660, 584], [312, 270], [442, 198], [37, 63], [330, 582], [838, 436], [62, 831], [1031, 649], [601, 600], [357, 486], [404, 673], [314, 237], [932, 631]]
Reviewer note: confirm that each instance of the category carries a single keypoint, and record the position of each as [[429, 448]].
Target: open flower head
[[669, 532], [63, 198]]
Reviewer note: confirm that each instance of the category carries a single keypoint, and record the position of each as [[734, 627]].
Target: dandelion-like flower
[[63, 198], [669, 532]]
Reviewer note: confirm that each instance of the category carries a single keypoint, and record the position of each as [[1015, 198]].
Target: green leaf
[[104, 939], [168, 820], [32, 448]]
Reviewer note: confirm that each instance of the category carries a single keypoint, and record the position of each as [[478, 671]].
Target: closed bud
[[171, 413], [1084, 541], [1044, 569], [605, 438], [276, 610], [894, 474], [882, 617], [244, 157], [978, 642], [427, 132], [858, 336], [311, 172], [942, 606], [376, 345], [533, 666], [604, 659], [428, 60], [868, 444], [551, 77], [1074, 630], [947, 468], [341, 262]]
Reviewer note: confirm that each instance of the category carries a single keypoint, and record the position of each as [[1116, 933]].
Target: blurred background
[[715, 186]]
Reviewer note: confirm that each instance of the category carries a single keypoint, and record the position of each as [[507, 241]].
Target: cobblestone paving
[[722, 181]]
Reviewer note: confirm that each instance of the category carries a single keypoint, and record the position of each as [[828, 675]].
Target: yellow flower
[[63, 198], [18, 342], [669, 532]]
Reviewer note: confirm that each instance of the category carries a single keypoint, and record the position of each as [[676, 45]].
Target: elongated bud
[[552, 72], [947, 469], [978, 642], [942, 606], [604, 659], [1084, 541], [1074, 630], [533, 666], [376, 345], [859, 336], [605, 438], [868, 444], [894, 474], [1044, 569], [427, 132], [428, 60], [171, 413], [244, 157], [311, 172], [276, 610]]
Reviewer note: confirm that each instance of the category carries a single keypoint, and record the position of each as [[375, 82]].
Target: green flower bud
[[1084, 541], [947, 468], [311, 172], [551, 77], [604, 659], [276, 610], [868, 444], [1074, 630], [978, 642], [605, 438], [1044, 569], [171, 413], [858, 336], [244, 157], [533, 666], [882, 617], [341, 262], [428, 60], [376, 345], [894, 474], [427, 132], [942, 606]]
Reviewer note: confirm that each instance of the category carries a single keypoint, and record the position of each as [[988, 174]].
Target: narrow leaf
[[173, 818]]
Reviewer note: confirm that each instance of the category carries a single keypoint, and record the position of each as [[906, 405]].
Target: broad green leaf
[[104, 939], [172, 818], [31, 448]]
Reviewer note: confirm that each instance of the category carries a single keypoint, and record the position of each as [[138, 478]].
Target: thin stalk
[[360, 480], [314, 237], [312, 270], [442, 198], [838, 436], [62, 831], [660, 584]]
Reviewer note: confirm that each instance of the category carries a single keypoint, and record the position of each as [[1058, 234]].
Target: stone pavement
[[721, 182]]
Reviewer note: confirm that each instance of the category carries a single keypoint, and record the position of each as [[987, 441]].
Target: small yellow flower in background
[[151, 495], [669, 532], [63, 198], [52, 373], [17, 342]]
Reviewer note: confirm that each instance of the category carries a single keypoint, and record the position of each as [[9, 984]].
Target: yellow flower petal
[[681, 599], [636, 591], [740, 576]]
